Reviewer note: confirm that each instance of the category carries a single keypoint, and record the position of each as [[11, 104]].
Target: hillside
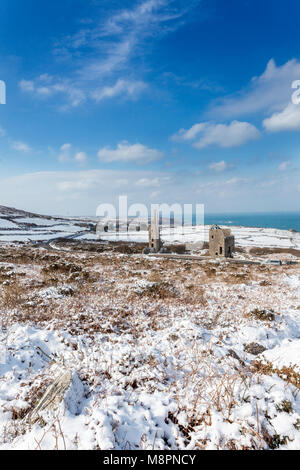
[[21, 226], [12, 212]]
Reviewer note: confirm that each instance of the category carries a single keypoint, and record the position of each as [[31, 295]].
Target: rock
[[66, 388], [255, 349], [66, 290], [233, 354]]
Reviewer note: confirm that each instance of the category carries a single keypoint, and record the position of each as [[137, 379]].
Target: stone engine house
[[221, 242], [154, 235]]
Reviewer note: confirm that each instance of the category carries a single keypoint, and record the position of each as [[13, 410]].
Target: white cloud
[[155, 195], [269, 183], [76, 95], [21, 147], [286, 120], [190, 134], [271, 91], [219, 166], [44, 91], [121, 182], [146, 182], [234, 181], [17, 145], [211, 186], [125, 152], [27, 85], [80, 185], [284, 165], [65, 153], [81, 158], [121, 87], [223, 135], [233, 135], [66, 147], [45, 86]]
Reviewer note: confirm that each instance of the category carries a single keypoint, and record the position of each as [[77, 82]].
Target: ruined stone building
[[154, 234], [221, 242]]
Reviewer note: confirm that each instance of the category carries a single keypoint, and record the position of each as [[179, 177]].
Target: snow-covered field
[[162, 354], [244, 236], [7, 224]]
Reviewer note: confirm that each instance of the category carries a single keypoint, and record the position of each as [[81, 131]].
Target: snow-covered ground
[[163, 354]]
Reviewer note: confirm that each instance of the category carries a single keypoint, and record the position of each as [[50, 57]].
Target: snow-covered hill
[[21, 226]]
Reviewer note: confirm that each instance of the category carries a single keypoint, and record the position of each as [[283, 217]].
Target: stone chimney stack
[[154, 234]]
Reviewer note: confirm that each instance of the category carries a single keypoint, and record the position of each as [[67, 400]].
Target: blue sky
[[163, 100]]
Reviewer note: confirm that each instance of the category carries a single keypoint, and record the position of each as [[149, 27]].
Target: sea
[[276, 220], [279, 220]]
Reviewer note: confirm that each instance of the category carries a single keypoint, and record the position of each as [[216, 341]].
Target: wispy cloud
[[46, 86], [219, 166], [121, 87], [122, 35], [79, 185], [101, 54], [21, 146], [187, 81], [211, 186], [153, 182], [284, 165]]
